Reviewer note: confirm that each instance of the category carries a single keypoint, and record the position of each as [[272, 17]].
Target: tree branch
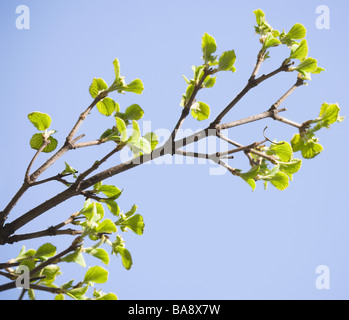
[[187, 107], [51, 231], [45, 143], [252, 82]]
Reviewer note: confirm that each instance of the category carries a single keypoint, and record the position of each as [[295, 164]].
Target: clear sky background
[[206, 236]]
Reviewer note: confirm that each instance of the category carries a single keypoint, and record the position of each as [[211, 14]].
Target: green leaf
[[125, 256], [69, 169], [96, 274], [59, 296], [226, 60], [116, 69], [108, 296], [329, 114], [250, 175], [297, 143], [270, 41], [135, 223], [298, 31], [132, 211], [311, 149], [318, 70], [45, 251], [77, 293], [308, 65], [135, 86], [282, 150], [41, 121], [260, 17], [299, 51], [200, 111], [209, 46], [152, 138], [110, 191], [121, 125], [106, 226], [133, 112], [140, 145], [280, 181], [97, 86], [210, 82], [50, 272], [112, 206], [136, 133], [75, 256], [31, 294], [291, 167], [37, 140], [98, 253], [106, 106]]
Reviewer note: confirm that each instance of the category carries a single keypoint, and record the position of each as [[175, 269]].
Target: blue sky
[[207, 236]]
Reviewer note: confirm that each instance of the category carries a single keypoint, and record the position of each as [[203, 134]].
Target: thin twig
[[267, 114], [45, 143]]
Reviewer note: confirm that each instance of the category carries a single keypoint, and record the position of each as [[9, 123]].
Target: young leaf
[[121, 125], [200, 111], [125, 256], [132, 211], [106, 226], [291, 167], [135, 86], [152, 138], [280, 181], [116, 69], [209, 46], [97, 86], [50, 272], [318, 70], [311, 149], [136, 133], [106, 106], [77, 293], [135, 223], [140, 145], [45, 251], [226, 60], [37, 140], [133, 112], [270, 41], [282, 150], [260, 17], [96, 274], [299, 51], [112, 206], [76, 256], [250, 175], [329, 114], [298, 31], [110, 191], [41, 121], [98, 253], [108, 296], [308, 65], [209, 82], [69, 169]]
